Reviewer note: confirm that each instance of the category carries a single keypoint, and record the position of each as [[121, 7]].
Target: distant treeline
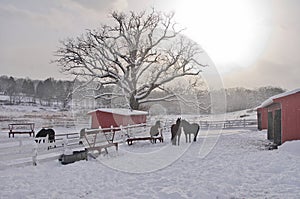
[[242, 98], [50, 92], [44, 92], [236, 99]]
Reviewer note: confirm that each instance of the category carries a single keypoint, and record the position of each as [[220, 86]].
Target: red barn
[[283, 116], [107, 117], [262, 118]]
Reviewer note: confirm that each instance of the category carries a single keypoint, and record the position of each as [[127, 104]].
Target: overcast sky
[[252, 42]]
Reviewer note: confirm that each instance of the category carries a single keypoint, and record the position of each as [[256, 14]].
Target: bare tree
[[11, 89], [140, 53]]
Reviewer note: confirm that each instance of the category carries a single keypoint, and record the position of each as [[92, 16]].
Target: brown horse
[[176, 132]]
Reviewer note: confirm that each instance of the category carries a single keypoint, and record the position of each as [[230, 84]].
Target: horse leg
[[196, 134], [173, 139], [186, 138]]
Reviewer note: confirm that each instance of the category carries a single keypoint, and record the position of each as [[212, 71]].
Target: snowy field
[[232, 163], [237, 167]]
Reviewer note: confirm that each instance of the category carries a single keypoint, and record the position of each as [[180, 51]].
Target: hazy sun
[[230, 31]]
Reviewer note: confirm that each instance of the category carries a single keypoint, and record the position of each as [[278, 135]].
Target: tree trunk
[[134, 104]]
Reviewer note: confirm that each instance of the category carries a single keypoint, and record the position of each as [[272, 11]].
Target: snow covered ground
[[232, 163], [236, 167]]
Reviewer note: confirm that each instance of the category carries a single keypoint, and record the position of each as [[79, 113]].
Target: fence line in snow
[[206, 124], [115, 134], [242, 123], [23, 151], [26, 152]]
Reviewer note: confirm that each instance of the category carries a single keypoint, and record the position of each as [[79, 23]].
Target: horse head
[[178, 120], [157, 123]]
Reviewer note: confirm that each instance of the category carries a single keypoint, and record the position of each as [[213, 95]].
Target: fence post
[[244, 122], [67, 151], [128, 131], [112, 133], [65, 143], [122, 133], [34, 155]]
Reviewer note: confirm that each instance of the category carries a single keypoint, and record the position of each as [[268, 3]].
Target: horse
[[154, 129], [190, 129], [176, 131], [44, 132]]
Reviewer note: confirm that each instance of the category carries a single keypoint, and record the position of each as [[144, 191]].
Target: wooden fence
[[24, 151], [113, 134], [21, 151], [225, 124]]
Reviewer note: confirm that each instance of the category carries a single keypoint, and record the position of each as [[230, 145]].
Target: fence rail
[[206, 124], [113, 134], [243, 123], [21, 152], [66, 135]]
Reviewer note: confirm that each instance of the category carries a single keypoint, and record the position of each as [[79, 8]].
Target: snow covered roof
[[120, 111], [271, 99]]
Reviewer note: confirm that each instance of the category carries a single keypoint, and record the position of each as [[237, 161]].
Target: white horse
[[190, 129]]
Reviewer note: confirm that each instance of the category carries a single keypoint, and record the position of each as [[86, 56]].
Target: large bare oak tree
[[138, 52]]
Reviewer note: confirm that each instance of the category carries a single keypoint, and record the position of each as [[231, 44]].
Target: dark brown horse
[[176, 132]]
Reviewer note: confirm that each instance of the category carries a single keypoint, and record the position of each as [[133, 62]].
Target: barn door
[[277, 127], [270, 126], [259, 121], [298, 120]]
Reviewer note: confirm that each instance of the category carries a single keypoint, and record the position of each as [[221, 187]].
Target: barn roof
[[120, 111], [271, 99]]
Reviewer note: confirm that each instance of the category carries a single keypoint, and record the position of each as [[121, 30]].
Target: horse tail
[[195, 138]]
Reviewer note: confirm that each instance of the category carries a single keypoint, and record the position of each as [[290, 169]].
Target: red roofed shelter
[[107, 117], [283, 116]]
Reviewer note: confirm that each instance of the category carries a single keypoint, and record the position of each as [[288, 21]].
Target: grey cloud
[[263, 73], [30, 31], [94, 4], [103, 4], [59, 15]]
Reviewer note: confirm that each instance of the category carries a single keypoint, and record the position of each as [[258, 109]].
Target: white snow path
[[235, 168]]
